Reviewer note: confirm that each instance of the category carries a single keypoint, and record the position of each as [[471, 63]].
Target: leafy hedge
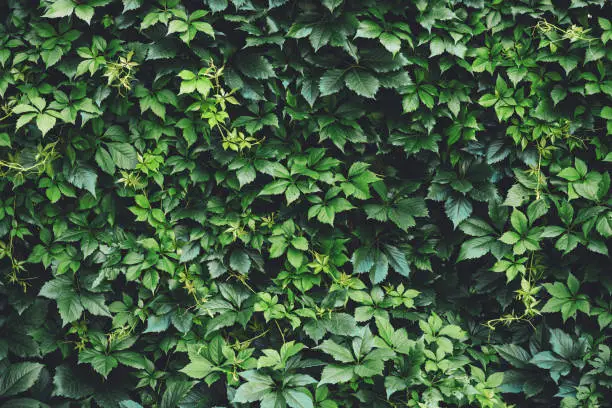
[[305, 203]]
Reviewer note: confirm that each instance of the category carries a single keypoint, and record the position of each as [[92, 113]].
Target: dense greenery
[[309, 203]]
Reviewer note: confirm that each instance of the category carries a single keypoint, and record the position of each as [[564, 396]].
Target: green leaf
[[476, 227], [519, 221], [488, 100], [300, 243], [182, 320], [175, 392], [131, 359], [60, 8], [124, 155], [475, 248], [558, 94], [340, 323], [404, 211], [453, 331], [362, 83], [240, 261], [514, 354], [381, 266], [589, 188], [397, 260], [103, 364], [245, 175], [254, 66], [326, 215], [82, 176], [368, 29], [292, 193], [254, 389], [426, 98], [68, 384], [297, 399], [606, 112], [458, 209], [23, 403], [410, 102], [390, 42], [45, 122], [5, 140], [84, 12], [95, 303], [150, 280], [338, 352], [68, 301], [177, 26], [198, 368], [569, 174], [105, 160], [129, 5], [332, 4], [549, 361], [573, 284], [558, 290], [436, 47], [363, 259], [336, 374], [70, 307], [510, 237], [18, 377], [516, 74], [129, 404], [495, 380], [275, 187], [189, 252], [205, 28]]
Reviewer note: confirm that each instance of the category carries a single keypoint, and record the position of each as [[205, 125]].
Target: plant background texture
[[310, 203]]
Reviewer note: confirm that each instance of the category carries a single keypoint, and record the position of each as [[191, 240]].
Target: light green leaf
[[488, 100], [336, 374], [436, 47], [300, 243], [297, 399], [60, 8], [5, 140], [84, 12], [410, 102], [44, 122], [254, 389], [519, 221], [390, 42], [454, 332], [368, 29], [198, 368], [338, 352]]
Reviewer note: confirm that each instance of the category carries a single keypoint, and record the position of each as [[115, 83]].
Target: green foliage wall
[[312, 203]]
